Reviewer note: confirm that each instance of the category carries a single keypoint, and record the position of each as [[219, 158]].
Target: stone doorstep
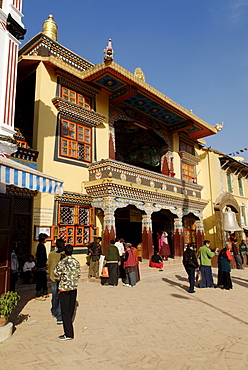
[[6, 331]]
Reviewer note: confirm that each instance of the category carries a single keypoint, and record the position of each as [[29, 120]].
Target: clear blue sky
[[193, 51]]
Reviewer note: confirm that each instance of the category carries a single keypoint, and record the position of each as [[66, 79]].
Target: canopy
[[14, 173]]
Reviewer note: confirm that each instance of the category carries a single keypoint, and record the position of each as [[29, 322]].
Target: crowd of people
[[204, 269], [119, 263]]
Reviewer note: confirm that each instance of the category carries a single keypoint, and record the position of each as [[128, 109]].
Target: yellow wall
[[45, 134], [102, 130], [208, 175], [176, 158]]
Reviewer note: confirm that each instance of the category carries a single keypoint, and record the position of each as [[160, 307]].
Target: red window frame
[[188, 173], [76, 98], [72, 136]]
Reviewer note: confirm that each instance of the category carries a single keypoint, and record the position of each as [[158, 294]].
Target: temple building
[[129, 156], [121, 159], [226, 188]]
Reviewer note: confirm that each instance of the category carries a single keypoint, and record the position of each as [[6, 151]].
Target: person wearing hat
[[53, 258]]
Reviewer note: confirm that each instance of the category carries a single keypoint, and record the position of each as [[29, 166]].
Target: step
[[145, 270]]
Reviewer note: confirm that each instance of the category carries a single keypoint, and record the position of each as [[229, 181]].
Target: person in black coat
[[41, 276], [190, 263]]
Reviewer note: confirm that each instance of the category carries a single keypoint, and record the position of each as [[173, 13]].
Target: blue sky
[[193, 51]]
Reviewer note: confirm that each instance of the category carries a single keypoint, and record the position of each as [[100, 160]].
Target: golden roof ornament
[[50, 28], [140, 74]]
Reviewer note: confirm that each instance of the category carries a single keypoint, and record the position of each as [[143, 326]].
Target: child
[[28, 269]]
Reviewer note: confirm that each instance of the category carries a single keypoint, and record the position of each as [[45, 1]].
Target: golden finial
[[140, 74], [50, 28]]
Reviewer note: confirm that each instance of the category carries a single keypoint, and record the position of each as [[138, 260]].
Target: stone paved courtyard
[[157, 325]]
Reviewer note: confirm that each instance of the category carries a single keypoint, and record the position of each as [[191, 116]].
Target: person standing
[[130, 266], [94, 251], [164, 248], [237, 255], [28, 267], [112, 259], [190, 264], [224, 269], [67, 272], [41, 276], [14, 266], [205, 254], [53, 258], [119, 243], [243, 251]]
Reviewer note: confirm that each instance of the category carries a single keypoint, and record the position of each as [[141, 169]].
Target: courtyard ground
[[156, 325]]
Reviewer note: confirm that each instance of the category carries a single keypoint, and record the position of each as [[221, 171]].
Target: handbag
[[87, 260], [198, 277], [105, 273]]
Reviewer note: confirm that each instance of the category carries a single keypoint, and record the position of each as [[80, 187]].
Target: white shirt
[[28, 266], [120, 247]]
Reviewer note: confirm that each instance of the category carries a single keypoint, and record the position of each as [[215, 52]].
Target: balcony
[[112, 178]]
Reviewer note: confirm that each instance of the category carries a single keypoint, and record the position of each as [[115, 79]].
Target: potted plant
[[8, 302]]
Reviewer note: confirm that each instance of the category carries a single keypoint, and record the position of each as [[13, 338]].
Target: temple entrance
[[128, 224], [163, 221]]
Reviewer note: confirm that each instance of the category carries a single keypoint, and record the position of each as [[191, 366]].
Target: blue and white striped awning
[[14, 173]]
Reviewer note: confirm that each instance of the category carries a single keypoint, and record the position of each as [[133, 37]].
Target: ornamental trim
[[73, 111]]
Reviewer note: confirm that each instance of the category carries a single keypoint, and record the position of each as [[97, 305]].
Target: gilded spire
[[50, 28]]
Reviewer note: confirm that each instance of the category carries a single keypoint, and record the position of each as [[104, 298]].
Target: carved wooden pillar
[[178, 237], [147, 242], [199, 229], [108, 228]]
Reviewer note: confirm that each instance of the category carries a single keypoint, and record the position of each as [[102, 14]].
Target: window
[[76, 98], [75, 141], [188, 173], [186, 147], [75, 225], [229, 182], [243, 215], [240, 182]]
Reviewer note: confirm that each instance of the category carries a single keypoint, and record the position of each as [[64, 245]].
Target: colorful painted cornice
[[81, 114]]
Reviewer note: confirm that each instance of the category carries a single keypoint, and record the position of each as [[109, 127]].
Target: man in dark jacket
[[41, 276], [112, 259], [237, 255], [190, 263], [94, 251]]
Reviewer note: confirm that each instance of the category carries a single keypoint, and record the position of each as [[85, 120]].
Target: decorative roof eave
[[31, 47], [55, 61], [130, 78], [237, 167], [83, 115]]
